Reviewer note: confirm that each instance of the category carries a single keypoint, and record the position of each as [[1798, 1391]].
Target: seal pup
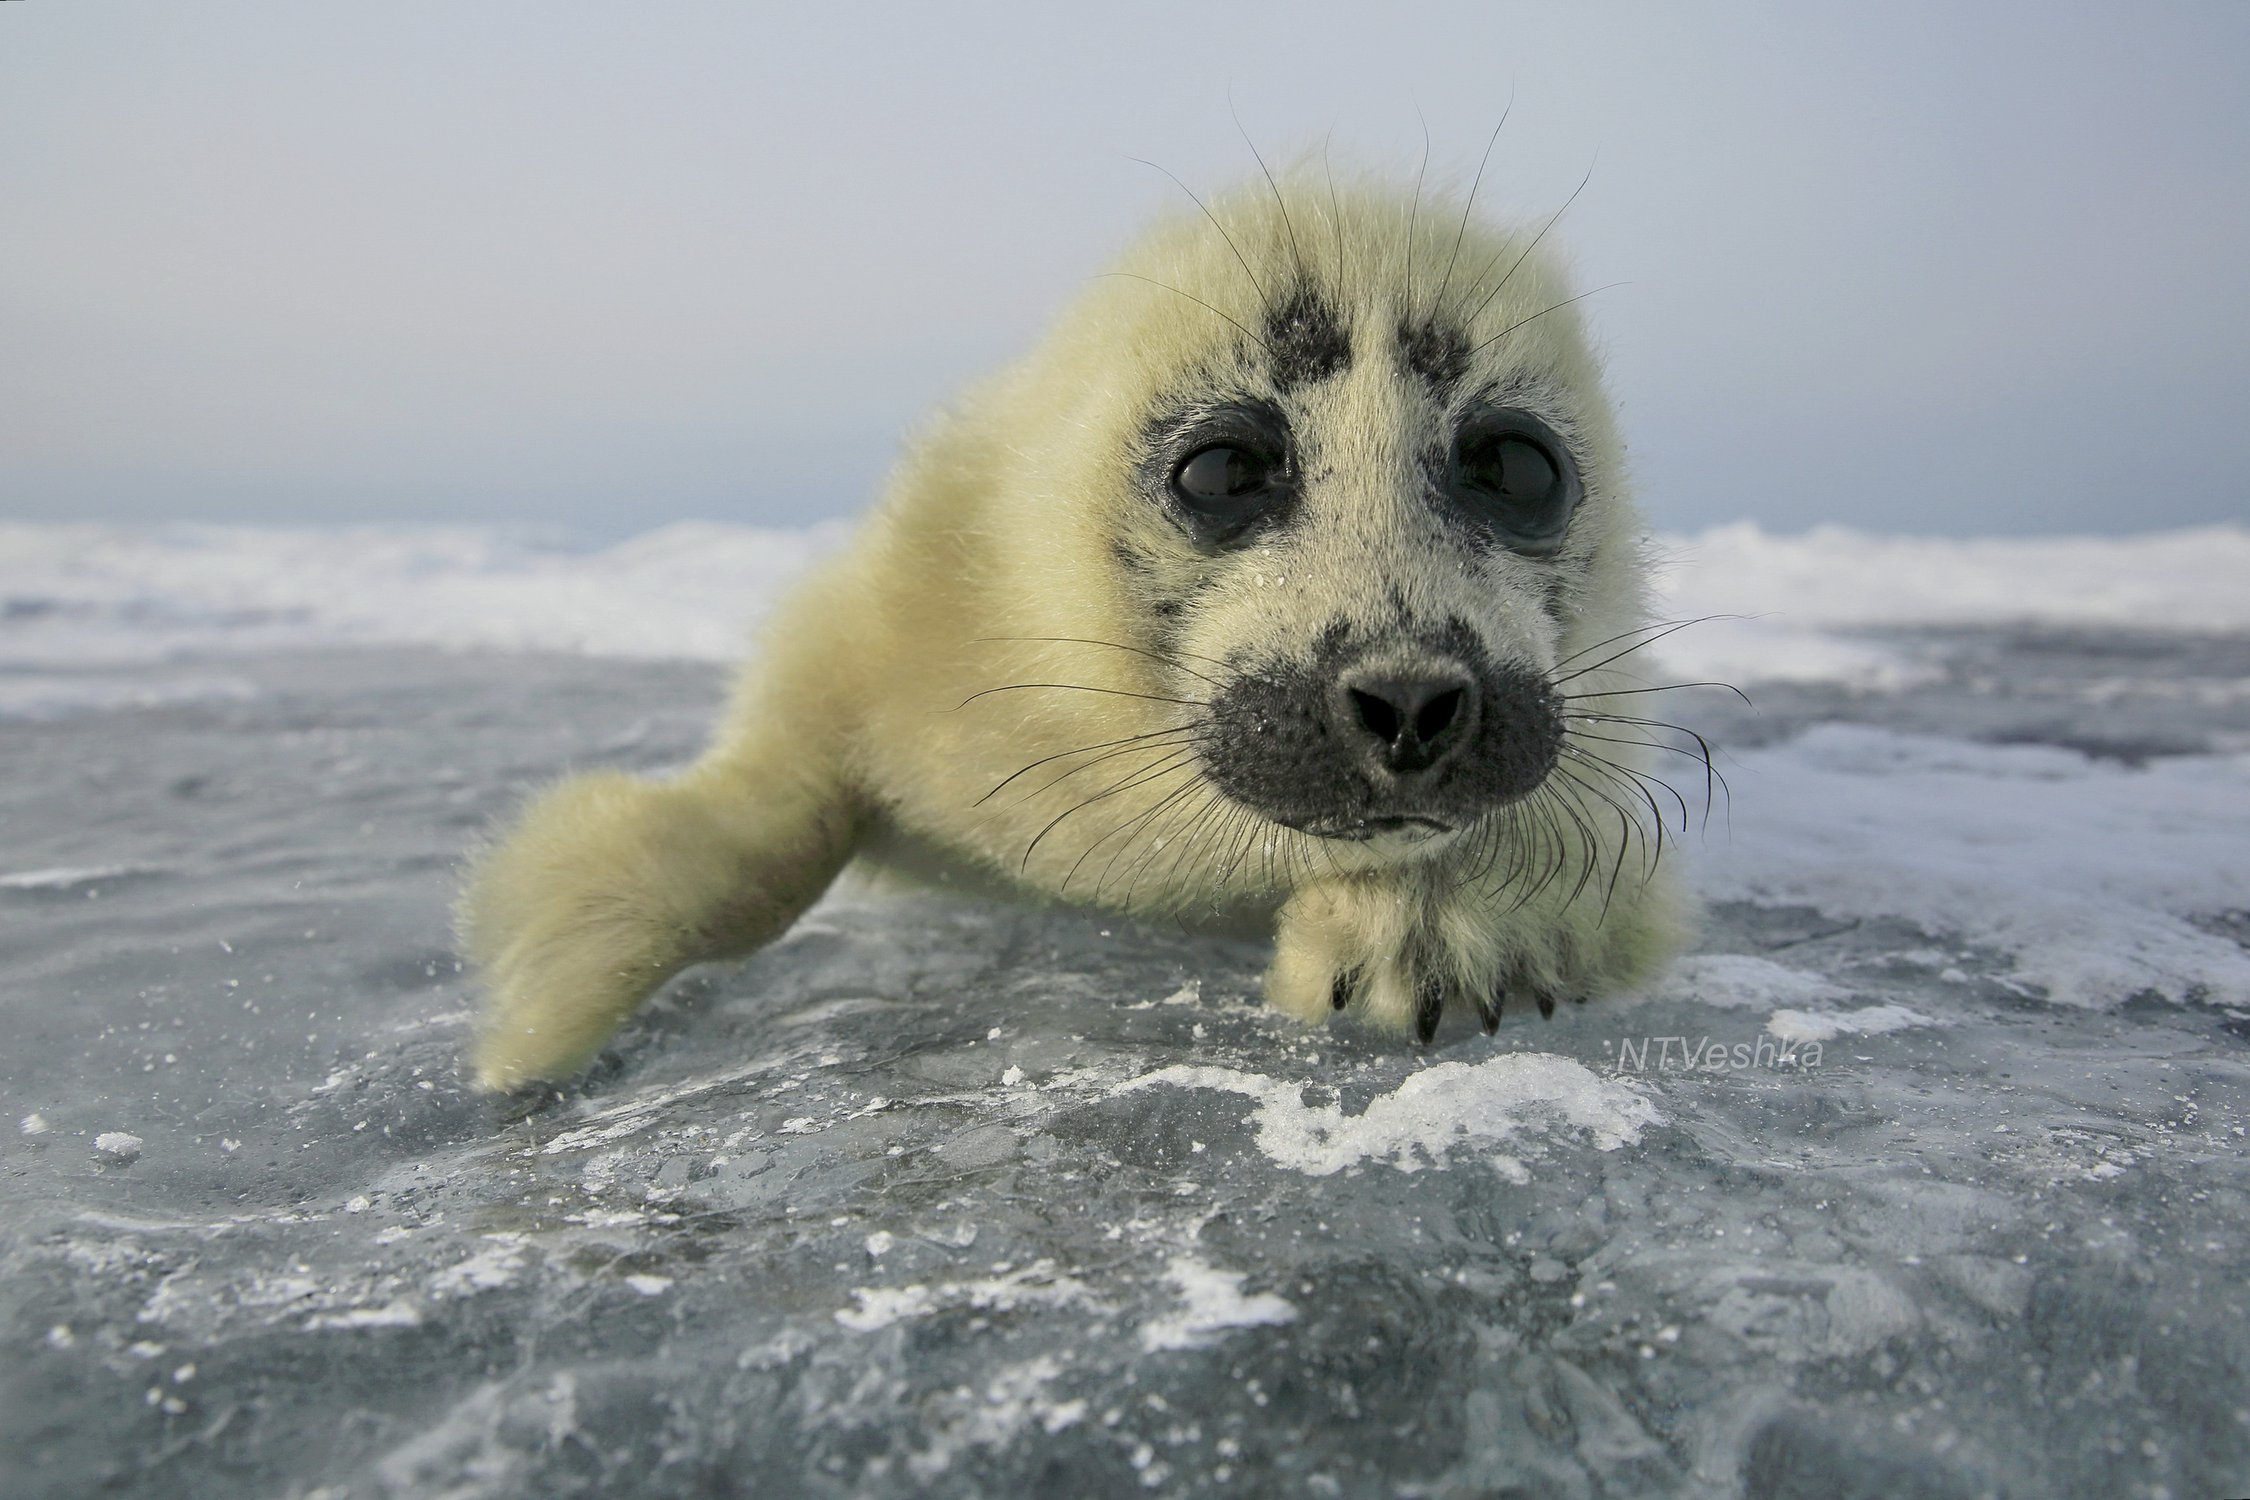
[[1286, 581]]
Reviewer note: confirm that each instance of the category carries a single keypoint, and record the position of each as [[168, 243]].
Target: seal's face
[[1363, 526]]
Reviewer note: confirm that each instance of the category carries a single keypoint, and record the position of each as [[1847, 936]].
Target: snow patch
[[1212, 1304], [397, 1314], [116, 1145], [67, 878], [1449, 1104], [1035, 1285], [494, 1266], [1013, 1400], [1821, 1026]]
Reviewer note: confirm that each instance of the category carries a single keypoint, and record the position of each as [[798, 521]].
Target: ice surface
[[2091, 875], [941, 1198]]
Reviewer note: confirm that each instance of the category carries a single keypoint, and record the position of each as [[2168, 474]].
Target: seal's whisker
[[1159, 832], [1662, 628], [1669, 687], [1136, 821], [1627, 826], [1629, 776], [1713, 777], [1081, 750], [1080, 640], [1101, 759], [1073, 687], [1652, 853], [1133, 779]]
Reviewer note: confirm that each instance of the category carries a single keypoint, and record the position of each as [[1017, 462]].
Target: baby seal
[[1285, 582]]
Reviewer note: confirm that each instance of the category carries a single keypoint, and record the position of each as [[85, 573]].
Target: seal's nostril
[[1437, 715], [1380, 716], [1414, 719]]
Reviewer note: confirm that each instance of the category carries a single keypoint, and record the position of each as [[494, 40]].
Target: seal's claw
[[1429, 1008], [1341, 990], [1488, 1011]]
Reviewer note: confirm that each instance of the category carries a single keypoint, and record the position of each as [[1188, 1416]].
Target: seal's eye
[[1509, 473], [1225, 486]]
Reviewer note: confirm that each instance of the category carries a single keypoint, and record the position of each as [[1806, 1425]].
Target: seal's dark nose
[[1410, 721]]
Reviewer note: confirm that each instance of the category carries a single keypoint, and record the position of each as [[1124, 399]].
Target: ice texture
[[1923, 1176]]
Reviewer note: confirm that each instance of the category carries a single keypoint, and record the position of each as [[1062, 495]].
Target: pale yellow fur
[[989, 564]]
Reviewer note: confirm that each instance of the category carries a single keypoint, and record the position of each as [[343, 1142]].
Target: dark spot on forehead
[[1306, 339], [1438, 352], [1131, 558]]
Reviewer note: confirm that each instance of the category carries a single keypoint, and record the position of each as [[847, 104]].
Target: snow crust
[[1415, 1124], [1212, 1303]]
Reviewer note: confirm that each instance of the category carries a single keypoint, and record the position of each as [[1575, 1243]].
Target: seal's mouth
[[1414, 828]]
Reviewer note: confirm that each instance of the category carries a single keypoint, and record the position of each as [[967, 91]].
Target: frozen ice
[[942, 1198]]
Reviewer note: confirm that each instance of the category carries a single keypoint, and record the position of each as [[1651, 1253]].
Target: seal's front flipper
[[610, 884]]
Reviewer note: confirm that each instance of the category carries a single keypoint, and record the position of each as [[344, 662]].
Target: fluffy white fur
[[868, 725]]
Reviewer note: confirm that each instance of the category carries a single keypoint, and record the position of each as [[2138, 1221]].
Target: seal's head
[[1348, 465]]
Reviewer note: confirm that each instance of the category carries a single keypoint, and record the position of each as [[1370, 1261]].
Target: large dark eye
[[1225, 486], [1511, 475]]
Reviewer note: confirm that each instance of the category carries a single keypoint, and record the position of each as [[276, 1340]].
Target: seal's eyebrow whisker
[[1524, 255], [1295, 253], [1198, 301], [1550, 307], [1415, 211], [1437, 303], [1265, 298]]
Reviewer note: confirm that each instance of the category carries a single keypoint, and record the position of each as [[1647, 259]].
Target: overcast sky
[[1955, 268]]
